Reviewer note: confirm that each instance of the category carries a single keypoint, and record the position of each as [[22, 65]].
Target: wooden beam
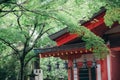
[[95, 22], [115, 48], [65, 38]]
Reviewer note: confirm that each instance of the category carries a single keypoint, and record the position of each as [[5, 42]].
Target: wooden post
[[115, 65], [104, 69], [70, 70], [89, 70]]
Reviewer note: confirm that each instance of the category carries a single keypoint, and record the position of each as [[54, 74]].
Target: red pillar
[[70, 70], [104, 75], [115, 65]]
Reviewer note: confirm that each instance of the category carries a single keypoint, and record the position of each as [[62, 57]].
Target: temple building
[[82, 64]]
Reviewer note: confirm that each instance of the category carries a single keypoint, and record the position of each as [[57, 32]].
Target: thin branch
[[29, 60], [40, 12], [10, 11], [4, 14], [25, 9], [68, 13], [38, 38], [19, 25], [10, 2], [33, 11], [11, 54], [7, 12], [2, 7], [46, 31], [8, 44], [6, 55], [18, 20], [14, 3], [40, 34], [33, 31]]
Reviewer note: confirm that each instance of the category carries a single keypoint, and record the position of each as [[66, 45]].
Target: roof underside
[[61, 48]]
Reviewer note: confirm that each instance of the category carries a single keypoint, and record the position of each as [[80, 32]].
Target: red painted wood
[[70, 70], [93, 24], [115, 48], [66, 54], [104, 75], [79, 64], [100, 30], [88, 62], [65, 38], [115, 65]]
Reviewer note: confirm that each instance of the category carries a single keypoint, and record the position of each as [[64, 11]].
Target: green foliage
[[8, 68], [95, 42], [112, 15], [54, 73], [4, 73], [45, 42], [9, 34], [67, 20], [113, 11], [2, 47], [112, 3]]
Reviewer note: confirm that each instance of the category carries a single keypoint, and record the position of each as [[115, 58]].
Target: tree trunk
[[37, 62], [22, 69]]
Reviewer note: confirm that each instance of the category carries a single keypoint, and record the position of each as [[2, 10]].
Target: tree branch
[[6, 55], [33, 31], [20, 27], [7, 12], [9, 44], [11, 54], [40, 34], [29, 60], [18, 20], [10, 11], [46, 31], [38, 38]]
